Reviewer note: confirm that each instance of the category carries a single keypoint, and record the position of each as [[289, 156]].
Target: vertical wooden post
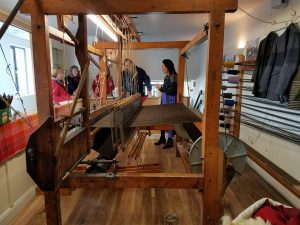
[[238, 106], [43, 87], [120, 66], [52, 206], [42, 68], [102, 80], [61, 22], [180, 90], [83, 57], [180, 82], [214, 157]]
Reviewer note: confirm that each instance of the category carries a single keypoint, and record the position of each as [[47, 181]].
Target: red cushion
[[292, 212], [294, 221], [269, 214]]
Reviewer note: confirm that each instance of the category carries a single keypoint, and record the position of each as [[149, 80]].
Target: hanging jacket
[[294, 97], [136, 84], [282, 65], [263, 55]]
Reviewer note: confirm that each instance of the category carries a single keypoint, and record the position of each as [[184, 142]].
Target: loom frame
[[212, 180]]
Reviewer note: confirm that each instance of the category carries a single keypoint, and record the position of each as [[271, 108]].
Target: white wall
[[151, 60], [70, 59], [195, 72], [6, 83], [17, 188], [283, 153]]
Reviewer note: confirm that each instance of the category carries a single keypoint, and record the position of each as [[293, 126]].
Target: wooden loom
[[55, 156]]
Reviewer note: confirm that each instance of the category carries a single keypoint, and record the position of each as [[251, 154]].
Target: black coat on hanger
[[282, 65]]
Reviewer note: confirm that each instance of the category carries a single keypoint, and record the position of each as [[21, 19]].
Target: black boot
[[169, 143], [162, 140]]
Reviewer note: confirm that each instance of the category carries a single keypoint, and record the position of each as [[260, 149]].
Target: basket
[[4, 116]]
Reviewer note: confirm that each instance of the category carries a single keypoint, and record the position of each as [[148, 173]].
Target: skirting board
[[22, 202], [275, 184]]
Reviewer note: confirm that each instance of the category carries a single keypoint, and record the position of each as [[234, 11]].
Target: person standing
[[169, 96], [59, 93], [134, 78], [73, 79], [110, 86]]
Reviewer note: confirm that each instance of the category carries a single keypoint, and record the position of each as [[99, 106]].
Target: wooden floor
[[146, 206], [246, 190]]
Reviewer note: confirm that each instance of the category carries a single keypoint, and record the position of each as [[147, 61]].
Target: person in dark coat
[[73, 79], [169, 96], [134, 78], [282, 65], [264, 51]]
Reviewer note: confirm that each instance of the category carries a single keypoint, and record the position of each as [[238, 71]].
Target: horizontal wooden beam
[[141, 45], [136, 180], [74, 7], [159, 127], [200, 36], [277, 173], [199, 125], [59, 36], [10, 18], [95, 51], [17, 22]]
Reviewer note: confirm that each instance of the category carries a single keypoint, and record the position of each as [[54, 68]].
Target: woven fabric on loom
[[14, 136], [156, 115]]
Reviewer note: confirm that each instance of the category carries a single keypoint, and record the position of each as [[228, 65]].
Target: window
[[57, 58], [155, 92], [20, 74]]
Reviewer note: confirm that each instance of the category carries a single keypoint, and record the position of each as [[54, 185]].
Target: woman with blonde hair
[[59, 92]]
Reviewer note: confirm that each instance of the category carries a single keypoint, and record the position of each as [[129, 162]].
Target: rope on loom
[[64, 67], [8, 71], [186, 74], [97, 87]]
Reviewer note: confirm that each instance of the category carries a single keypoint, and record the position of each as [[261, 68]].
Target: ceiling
[[157, 26]]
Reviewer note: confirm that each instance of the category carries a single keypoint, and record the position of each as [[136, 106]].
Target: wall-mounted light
[[241, 44], [103, 26]]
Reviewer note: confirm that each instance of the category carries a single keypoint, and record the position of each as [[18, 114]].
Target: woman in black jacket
[[169, 96], [73, 79]]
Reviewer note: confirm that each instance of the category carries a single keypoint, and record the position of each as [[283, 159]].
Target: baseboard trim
[[11, 213], [289, 196]]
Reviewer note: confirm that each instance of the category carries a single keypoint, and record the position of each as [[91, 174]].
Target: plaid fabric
[[294, 102], [14, 136]]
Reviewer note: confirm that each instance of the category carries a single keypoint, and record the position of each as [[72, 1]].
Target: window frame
[[13, 49]]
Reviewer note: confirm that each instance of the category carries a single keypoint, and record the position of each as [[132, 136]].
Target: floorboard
[[146, 206]]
